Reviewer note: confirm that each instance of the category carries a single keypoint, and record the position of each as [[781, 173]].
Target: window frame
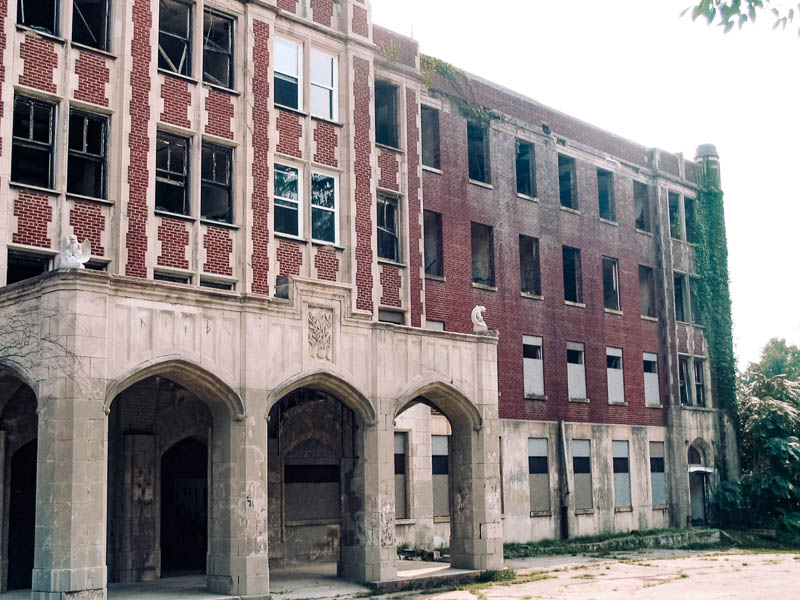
[[485, 159], [287, 77], [231, 52], [333, 90], [317, 207], [538, 453], [531, 170], [641, 199], [612, 376], [437, 151], [105, 43], [387, 129], [206, 183], [676, 220], [577, 273], [35, 26], [658, 468], [389, 200], [101, 159], [572, 394], [615, 289], [620, 460], [30, 142], [160, 135], [611, 207], [533, 366], [491, 281], [437, 217], [650, 282], [680, 293], [402, 438], [534, 290], [684, 381], [184, 69], [575, 445], [279, 200], [699, 382], [568, 163], [652, 377]]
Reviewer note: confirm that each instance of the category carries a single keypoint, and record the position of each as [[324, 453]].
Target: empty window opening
[[386, 114], [482, 254], [323, 85], [400, 481], [287, 200], [530, 273], [573, 284], [478, 152], [21, 515], [605, 195], [647, 291], [526, 169], [387, 315], [430, 137], [641, 205], [675, 221], [216, 197], [532, 366], [434, 262], [576, 371], [699, 382], [90, 23], [217, 49], [567, 182], [681, 314], [658, 479], [216, 285], [324, 206], [175, 37], [582, 474], [622, 475], [172, 278], [32, 142], [615, 375], [683, 380], [538, 475], [86, 165], [694, 284], [441, 475], [24, 265], [650, 368], [611, 283], [690, 217], [172, 170], [40, 15], [388, 235], [288, 91]]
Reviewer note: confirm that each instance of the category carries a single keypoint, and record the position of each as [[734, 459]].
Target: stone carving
[[478, 324], [74, 255], [320, 333]]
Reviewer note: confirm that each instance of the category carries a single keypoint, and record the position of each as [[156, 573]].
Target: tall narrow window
[[216, 195], [288, 69], [582, 473], [615, 375], [32, 143], [388, 236], [699, 382], [218, 49], [605, 195], [386, 114], [175, 37], [172, 170], [400, 481], [90, 23], [622, 474], [86, 165], [430, 137], [647, 291], [675, 222], [526, 169], [680, 298], [434, 263], [651, 392], [530, 273], [658, 479], [323, 85], [532, 366], [611, 283], [641, 205], [573, 282], [324, 203], [39, 15], [478, 152], [288, 209], [694, 284], [567, 182], [440, 475], [538, 475], [482, 254], [690, 216], [576, 371], [683, 380]]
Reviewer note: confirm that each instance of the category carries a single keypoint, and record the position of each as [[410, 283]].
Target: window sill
[[327, 244], [219, 278], [80, 198], [541, 513], [584, 511], [531, 296], [483, 286], [441, 519], [35, 188], [528, 198], [98, 51], [172, 215], [42, 34], [482, 184], [697, 408], [221, 88], [289, 109], [679, 322], [535, 397], [308, 522], [580, 400], [609, 222], [646, 318], [623, 509], [613, 311], [644, 232], [575, 304], [441, 278], [623, 403], [405, 521], [213, 223], [174, 271], [570, 210], [661, 507], [388, 147], [432, 170], [288, 236], [391, 263], [185, 78], [327, 120], [654, 406]]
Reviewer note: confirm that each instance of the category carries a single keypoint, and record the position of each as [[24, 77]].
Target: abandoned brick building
[[269, 357]]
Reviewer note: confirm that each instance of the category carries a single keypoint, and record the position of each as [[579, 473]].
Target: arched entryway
[[22, 516], [699, 473]]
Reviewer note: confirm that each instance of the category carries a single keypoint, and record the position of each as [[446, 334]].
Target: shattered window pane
[[38, 14], [386, 114], [174, 37], [172, 154], [526, 172], [605, 195], [216, 192], [32, 152], [388, 243], [573, 284], [567, 182], [430, 137], [530, 274], [611, 283], [478, 152], [217, 49], [86, 164], [90, 23]]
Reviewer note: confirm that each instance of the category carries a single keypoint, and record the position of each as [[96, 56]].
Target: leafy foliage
[[777, 358], [736, 13]]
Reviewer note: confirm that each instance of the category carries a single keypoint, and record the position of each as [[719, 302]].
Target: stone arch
[[704, 449], [11, 367], [445, 397]]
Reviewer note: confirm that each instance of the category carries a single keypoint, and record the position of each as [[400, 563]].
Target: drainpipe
[[564, 479]]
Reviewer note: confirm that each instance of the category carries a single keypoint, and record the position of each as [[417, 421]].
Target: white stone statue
[[75, 255], [478, 324]]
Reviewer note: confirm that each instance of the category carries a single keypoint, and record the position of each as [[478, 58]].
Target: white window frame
[[334, 90], [300, 198], [335, 210], [533, 369], [286, 43], [652, 393], [615, 378]]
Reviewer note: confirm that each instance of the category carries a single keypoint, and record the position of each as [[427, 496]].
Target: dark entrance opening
[[22, 517], [184, 508]]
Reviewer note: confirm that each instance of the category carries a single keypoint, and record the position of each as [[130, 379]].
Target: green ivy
[[464, 98]]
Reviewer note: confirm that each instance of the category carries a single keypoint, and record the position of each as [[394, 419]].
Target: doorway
[[22, 517]]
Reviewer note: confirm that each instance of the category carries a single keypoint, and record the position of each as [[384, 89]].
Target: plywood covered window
[[533, 366], [400, 476], [658, 478], [652, 395], [582, 474], [615, 375], [622, 474], [440, 475], [538, 474], [576, 371]]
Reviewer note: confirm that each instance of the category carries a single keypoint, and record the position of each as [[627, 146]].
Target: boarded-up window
[[641, 205], [622, 474], [611, 283], [567, 182], [526, 169], [440, 475], [482, 254], [430, 137], [576, 372], [647, 291], [478, 152], [582, 473], [400, 486], [651, 392], [530, 273], [614, 374], [658, 479], [311, 479], [573, 280], [533, 365], [605, 195], [538, 474]]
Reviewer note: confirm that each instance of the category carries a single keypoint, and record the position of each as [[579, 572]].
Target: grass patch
[[749, 541]]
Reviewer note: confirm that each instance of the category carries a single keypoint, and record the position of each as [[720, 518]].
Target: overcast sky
[[638, 69]]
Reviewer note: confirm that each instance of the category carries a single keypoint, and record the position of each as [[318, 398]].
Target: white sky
[[637, 69]]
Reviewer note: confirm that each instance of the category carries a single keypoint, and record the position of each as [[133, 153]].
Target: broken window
[[576, 371], [690, 216], [538, 475], [641, 205], [567, 182], [478, 152], [622, 474], [699, 382], [216, 194], [172, 278], [217, 49], [430, 137], [32, 143], [582, 473], [400, 491], [605, 195], [90, 23], [658, 479], [172, 170], [323, 85], [694, 284], [388, 235], [482, 254], [651, 393], [388, 315], [175, 37], [530, 273], [287, 200], [647, 291], [288, 67], [681, 313], [86, 165], [324, 206], [615, 375], [40, 15], [434, 263], [24, 265], [440, 475], [532, 366], [573, 285], [526, 169], [683, 380], [611, 283], [386, 114], [675, 221]]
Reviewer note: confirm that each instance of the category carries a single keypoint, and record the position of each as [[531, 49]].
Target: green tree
[[777, 358], [731, 13]]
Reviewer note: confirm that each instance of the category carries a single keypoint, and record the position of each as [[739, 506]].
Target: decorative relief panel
[[320, 333]]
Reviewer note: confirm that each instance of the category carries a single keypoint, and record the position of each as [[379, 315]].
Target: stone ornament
[[478, 324], [320, 333], [74, 255]]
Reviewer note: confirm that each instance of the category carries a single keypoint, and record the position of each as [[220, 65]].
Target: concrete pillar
[[677, 467]]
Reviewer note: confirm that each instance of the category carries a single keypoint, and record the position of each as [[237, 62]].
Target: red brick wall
[[360, 25], [391, 282], [88, 223], [177, 101], [389, 168], [363, 186], [260, 166], [290, 130], [220, 111], [34, 214], [174, 237], [219, 246], [326, 262], [138, 140], [326, 136], [322, 11], [395, 46], [93, 75], [290, 5], [414, 209], [40, 61], [290, 257], [683, 338]]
